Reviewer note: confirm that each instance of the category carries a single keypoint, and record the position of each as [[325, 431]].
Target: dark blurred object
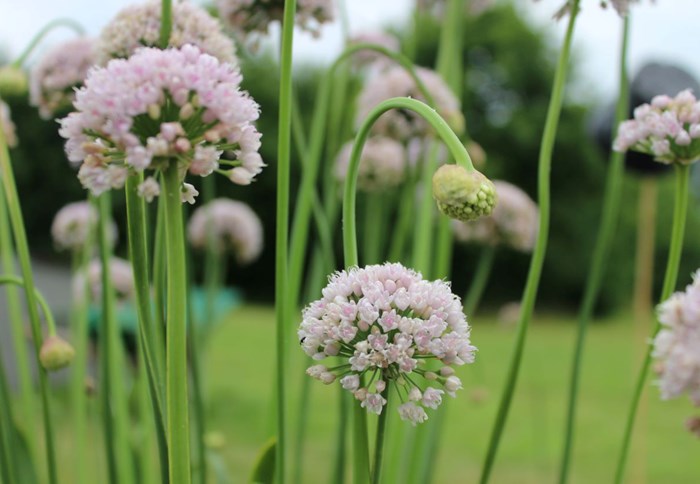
[[652, 80]]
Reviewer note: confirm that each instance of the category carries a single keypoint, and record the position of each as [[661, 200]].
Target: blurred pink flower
[[245, 16], [382, 164], [72, 226]]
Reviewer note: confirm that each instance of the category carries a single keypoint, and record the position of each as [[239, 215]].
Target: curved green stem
[[680, 212], [176, 339], [20, 237], [443, 130], [481, 277], [46, 311], [166, 23], [533, 277], [61, 22], [379, 441], [608, 222]]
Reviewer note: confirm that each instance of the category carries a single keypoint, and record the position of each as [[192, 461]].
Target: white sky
[[667, 30]]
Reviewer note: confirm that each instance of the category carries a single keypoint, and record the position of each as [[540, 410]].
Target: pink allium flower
[[677, 344], [54, 79], [382, 164], [160, 107], [247, 16], [138, 26], [122, 281], [233, 225], [384, 322], [396, 82], [72, 226], [513, 222], [7, 125], [369, 57], [667, 129]]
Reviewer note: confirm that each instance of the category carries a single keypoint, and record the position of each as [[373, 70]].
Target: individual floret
[[159, 107], [225, 224], [384, 323], [63, 69]]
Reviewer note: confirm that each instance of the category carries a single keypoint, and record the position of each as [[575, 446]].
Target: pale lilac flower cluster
[[73, 225], [513, 222], [382, 164], [677, 344], [397, 82], [54, 79], [247, 16], [384, 323], [122, 281], [366, 57], [6, 124], [158, 107], [231, 225], [138, 26], [667, 129]]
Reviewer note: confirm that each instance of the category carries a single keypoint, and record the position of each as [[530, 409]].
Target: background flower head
[[382, 164], [73, 225]]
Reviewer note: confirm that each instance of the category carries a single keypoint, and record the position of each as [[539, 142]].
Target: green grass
[[238, 379]]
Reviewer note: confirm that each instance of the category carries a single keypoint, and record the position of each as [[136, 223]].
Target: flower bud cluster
[[513, 222], [382, 164], [158, 107], [228, 225], [463, 195], [54, 79], [139, 25], [667, 129], [676, 344], [247, 16], [384, 323]]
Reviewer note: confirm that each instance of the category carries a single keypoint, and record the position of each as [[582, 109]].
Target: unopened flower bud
[[316, 371], [360, 394], [327, 377], [13, 81], [154, 111], [415, 394], [447, 371], [380, 386], [56, 353], [429, 375], [186, 111], [461, 194], [452, 384], [332, 349]]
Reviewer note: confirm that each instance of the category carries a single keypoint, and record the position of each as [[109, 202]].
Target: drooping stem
[[611, 210], [535, 271], [680, 212], [60, 22], [20, 238], [176, 339], [379, 441], [480, 279]]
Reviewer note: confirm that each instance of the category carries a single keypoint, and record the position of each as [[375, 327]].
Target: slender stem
[[176, 342], [20, 237], [443, 130], [166, 23], [443, 248], [533, 277], [644, 263], [480, 279], [61, 22], [680, 212], [611, 210], [14, 313], [159, 270], [406, 212], [375, 227], [423, 237], [45, 310], [341, 437], [379, 442], [360, 447], [8, 459]]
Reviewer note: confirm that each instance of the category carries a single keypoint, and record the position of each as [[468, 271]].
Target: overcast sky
[[666, 30]]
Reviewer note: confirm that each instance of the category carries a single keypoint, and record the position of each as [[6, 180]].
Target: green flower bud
[[461, 194], [13, 81], [56, 353]]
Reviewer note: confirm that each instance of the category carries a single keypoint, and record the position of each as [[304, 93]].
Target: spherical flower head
[[247, 16], [160, 107], [224, 224], [382, 164], [397, 82], [513, 222], [55, 353], [7, 126], [138, 26], [668, 129], [384, 323], [463, 195], [122, 281], [72, 226], [63, 69], [676, 344], [13, 81], [366, 57]]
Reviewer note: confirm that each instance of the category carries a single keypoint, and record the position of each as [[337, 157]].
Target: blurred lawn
[[240, 359]]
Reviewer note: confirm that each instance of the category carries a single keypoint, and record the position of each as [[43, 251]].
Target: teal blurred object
[[226, 299]]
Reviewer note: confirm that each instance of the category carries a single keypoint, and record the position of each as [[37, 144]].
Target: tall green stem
[[481, 277], [533, 277], [61, 22], [375, 227], [178, 429], [166, 23], [423, 237], [282, 291], [20, 237], [611, 210], [680, 212], [379, 441]]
